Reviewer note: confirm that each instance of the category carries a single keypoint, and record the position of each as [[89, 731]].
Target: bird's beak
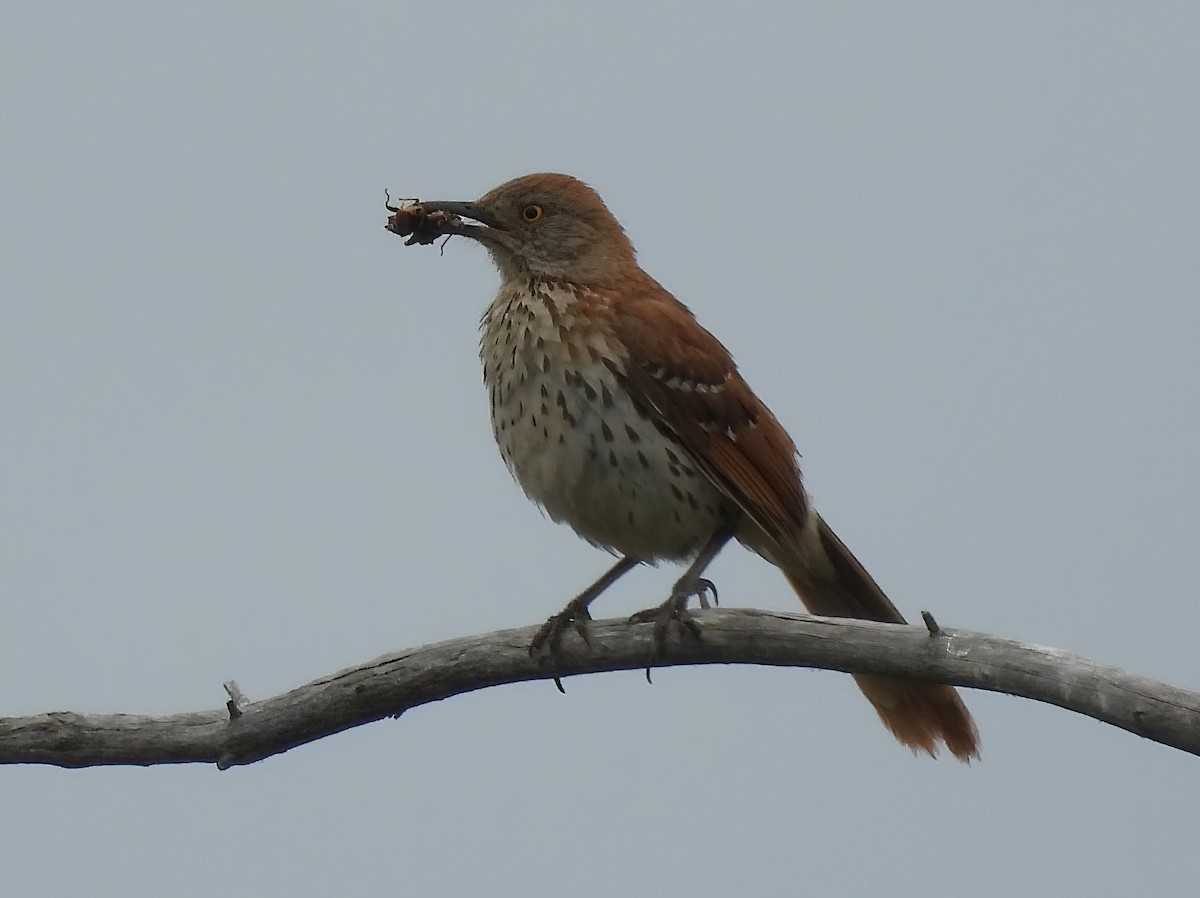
[[487, 230], [474, 211]]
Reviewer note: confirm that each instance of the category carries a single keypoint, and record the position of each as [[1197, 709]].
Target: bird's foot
[[546, 641], [675, 610]]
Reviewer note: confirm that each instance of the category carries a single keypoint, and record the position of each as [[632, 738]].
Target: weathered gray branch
[[245, 732]]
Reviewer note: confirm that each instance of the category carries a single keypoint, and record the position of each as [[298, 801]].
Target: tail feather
[[830, 581], [920, 715]]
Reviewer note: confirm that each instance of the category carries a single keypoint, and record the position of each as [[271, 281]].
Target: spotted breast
[[574, 439]]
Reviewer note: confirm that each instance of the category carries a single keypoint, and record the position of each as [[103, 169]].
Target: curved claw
[[704, 586]]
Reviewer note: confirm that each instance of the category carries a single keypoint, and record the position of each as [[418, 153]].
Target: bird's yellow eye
[[532, 213]]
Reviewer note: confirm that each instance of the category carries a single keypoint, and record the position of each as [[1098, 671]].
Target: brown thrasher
[[620, 415]]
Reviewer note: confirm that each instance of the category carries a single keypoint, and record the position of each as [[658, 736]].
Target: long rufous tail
[[831, 582]]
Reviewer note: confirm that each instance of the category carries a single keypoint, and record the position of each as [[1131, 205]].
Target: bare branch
[[389, 685]]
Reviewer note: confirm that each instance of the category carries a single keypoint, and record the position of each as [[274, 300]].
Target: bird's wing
[[686, 381]]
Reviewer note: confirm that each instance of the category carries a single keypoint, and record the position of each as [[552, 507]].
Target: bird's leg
[[690, 584], [575, 614]]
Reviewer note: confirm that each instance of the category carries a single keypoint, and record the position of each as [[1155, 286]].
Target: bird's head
[[547, 225]]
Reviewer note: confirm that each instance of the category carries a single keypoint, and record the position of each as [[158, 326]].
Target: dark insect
[[413, 222]]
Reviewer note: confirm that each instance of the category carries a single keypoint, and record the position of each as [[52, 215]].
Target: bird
[[620, 415]]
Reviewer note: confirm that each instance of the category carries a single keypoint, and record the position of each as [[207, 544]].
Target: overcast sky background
[[953, 246]]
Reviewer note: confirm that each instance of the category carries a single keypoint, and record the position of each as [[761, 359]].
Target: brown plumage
[[623, 417]]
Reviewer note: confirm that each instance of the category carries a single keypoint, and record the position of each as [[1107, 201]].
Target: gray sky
[[953, 247]]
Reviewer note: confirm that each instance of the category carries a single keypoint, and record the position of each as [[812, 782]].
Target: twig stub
[[931, 624], [237, 699]]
